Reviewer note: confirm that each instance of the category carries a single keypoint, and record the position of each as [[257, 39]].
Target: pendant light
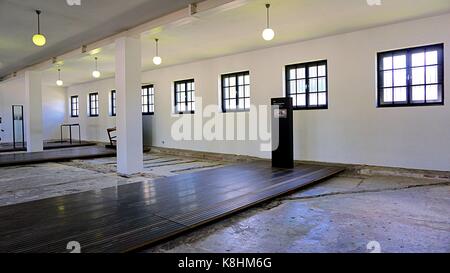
[[59, 82], [38, 38], [157, 60], [96, 73], [268, 33]]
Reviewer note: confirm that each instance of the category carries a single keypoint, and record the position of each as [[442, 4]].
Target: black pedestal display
[[282, 133]]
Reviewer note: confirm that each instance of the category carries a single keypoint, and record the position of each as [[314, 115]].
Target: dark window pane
[[415, 74], [184, 96], [304, 82], [236, 91]]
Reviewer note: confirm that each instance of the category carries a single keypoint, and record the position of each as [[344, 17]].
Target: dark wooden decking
[[48, 145], [55, 155], [131, 216]]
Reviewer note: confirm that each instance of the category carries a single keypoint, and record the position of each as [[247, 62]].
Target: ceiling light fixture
[[73, 2], [157, 60], [96, 73], [268, 33], [38, 38], [59, 82]]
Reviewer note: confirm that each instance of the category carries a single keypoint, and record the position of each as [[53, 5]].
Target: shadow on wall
[[147, 121], [95, 131], [6, 124], [1, 129]]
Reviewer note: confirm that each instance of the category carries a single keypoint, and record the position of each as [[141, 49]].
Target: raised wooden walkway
[[48, 145], [131, 216], [55, 155]]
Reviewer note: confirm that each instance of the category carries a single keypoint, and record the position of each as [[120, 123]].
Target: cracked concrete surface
[[342, 214], [155, 165], [26, 183]]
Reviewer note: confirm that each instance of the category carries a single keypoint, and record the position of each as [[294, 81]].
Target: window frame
[[72, 115], [409, 85], [236, 75], [113, 102], [185, 82], [307, 65], [96, 106], [149, 95]]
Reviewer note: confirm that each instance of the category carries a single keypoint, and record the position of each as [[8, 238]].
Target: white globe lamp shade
[[157, 60], [39, 39], [268, 34], [59, 83], [96, 74]]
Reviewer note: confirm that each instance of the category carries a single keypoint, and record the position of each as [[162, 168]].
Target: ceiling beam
[[173, 19]]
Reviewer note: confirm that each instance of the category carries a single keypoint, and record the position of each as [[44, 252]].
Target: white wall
[[53, 111], [353, 130], [93, 128], [12, 92]]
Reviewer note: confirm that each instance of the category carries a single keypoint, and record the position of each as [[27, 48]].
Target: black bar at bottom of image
[[224, 262]]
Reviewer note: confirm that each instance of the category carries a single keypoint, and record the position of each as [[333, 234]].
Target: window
[[74, 107], [307, 84], [411, 77], [93, 104], [113, 103], [236, 92], [148, 100], [185, 97]]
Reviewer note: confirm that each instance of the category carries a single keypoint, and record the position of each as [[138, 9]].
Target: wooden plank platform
[[132, 216], [55, 155], [51, 145], [48, 145]]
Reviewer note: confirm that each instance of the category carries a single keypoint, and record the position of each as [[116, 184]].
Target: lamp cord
[[39, 21]]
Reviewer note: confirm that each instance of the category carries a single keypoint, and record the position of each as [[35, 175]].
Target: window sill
[[236, 111], [310, 108], [410, 105]]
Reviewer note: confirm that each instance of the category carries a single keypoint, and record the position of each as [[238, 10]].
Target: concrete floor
[[38, 181], [342, 214]]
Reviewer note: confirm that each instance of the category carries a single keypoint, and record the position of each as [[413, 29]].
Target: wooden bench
[[112, 138]]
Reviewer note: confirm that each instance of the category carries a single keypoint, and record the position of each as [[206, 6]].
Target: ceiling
[[238, 29], [68, 27]]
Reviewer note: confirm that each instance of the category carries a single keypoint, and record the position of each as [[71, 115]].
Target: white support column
[[33, 111], [129, 113]]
